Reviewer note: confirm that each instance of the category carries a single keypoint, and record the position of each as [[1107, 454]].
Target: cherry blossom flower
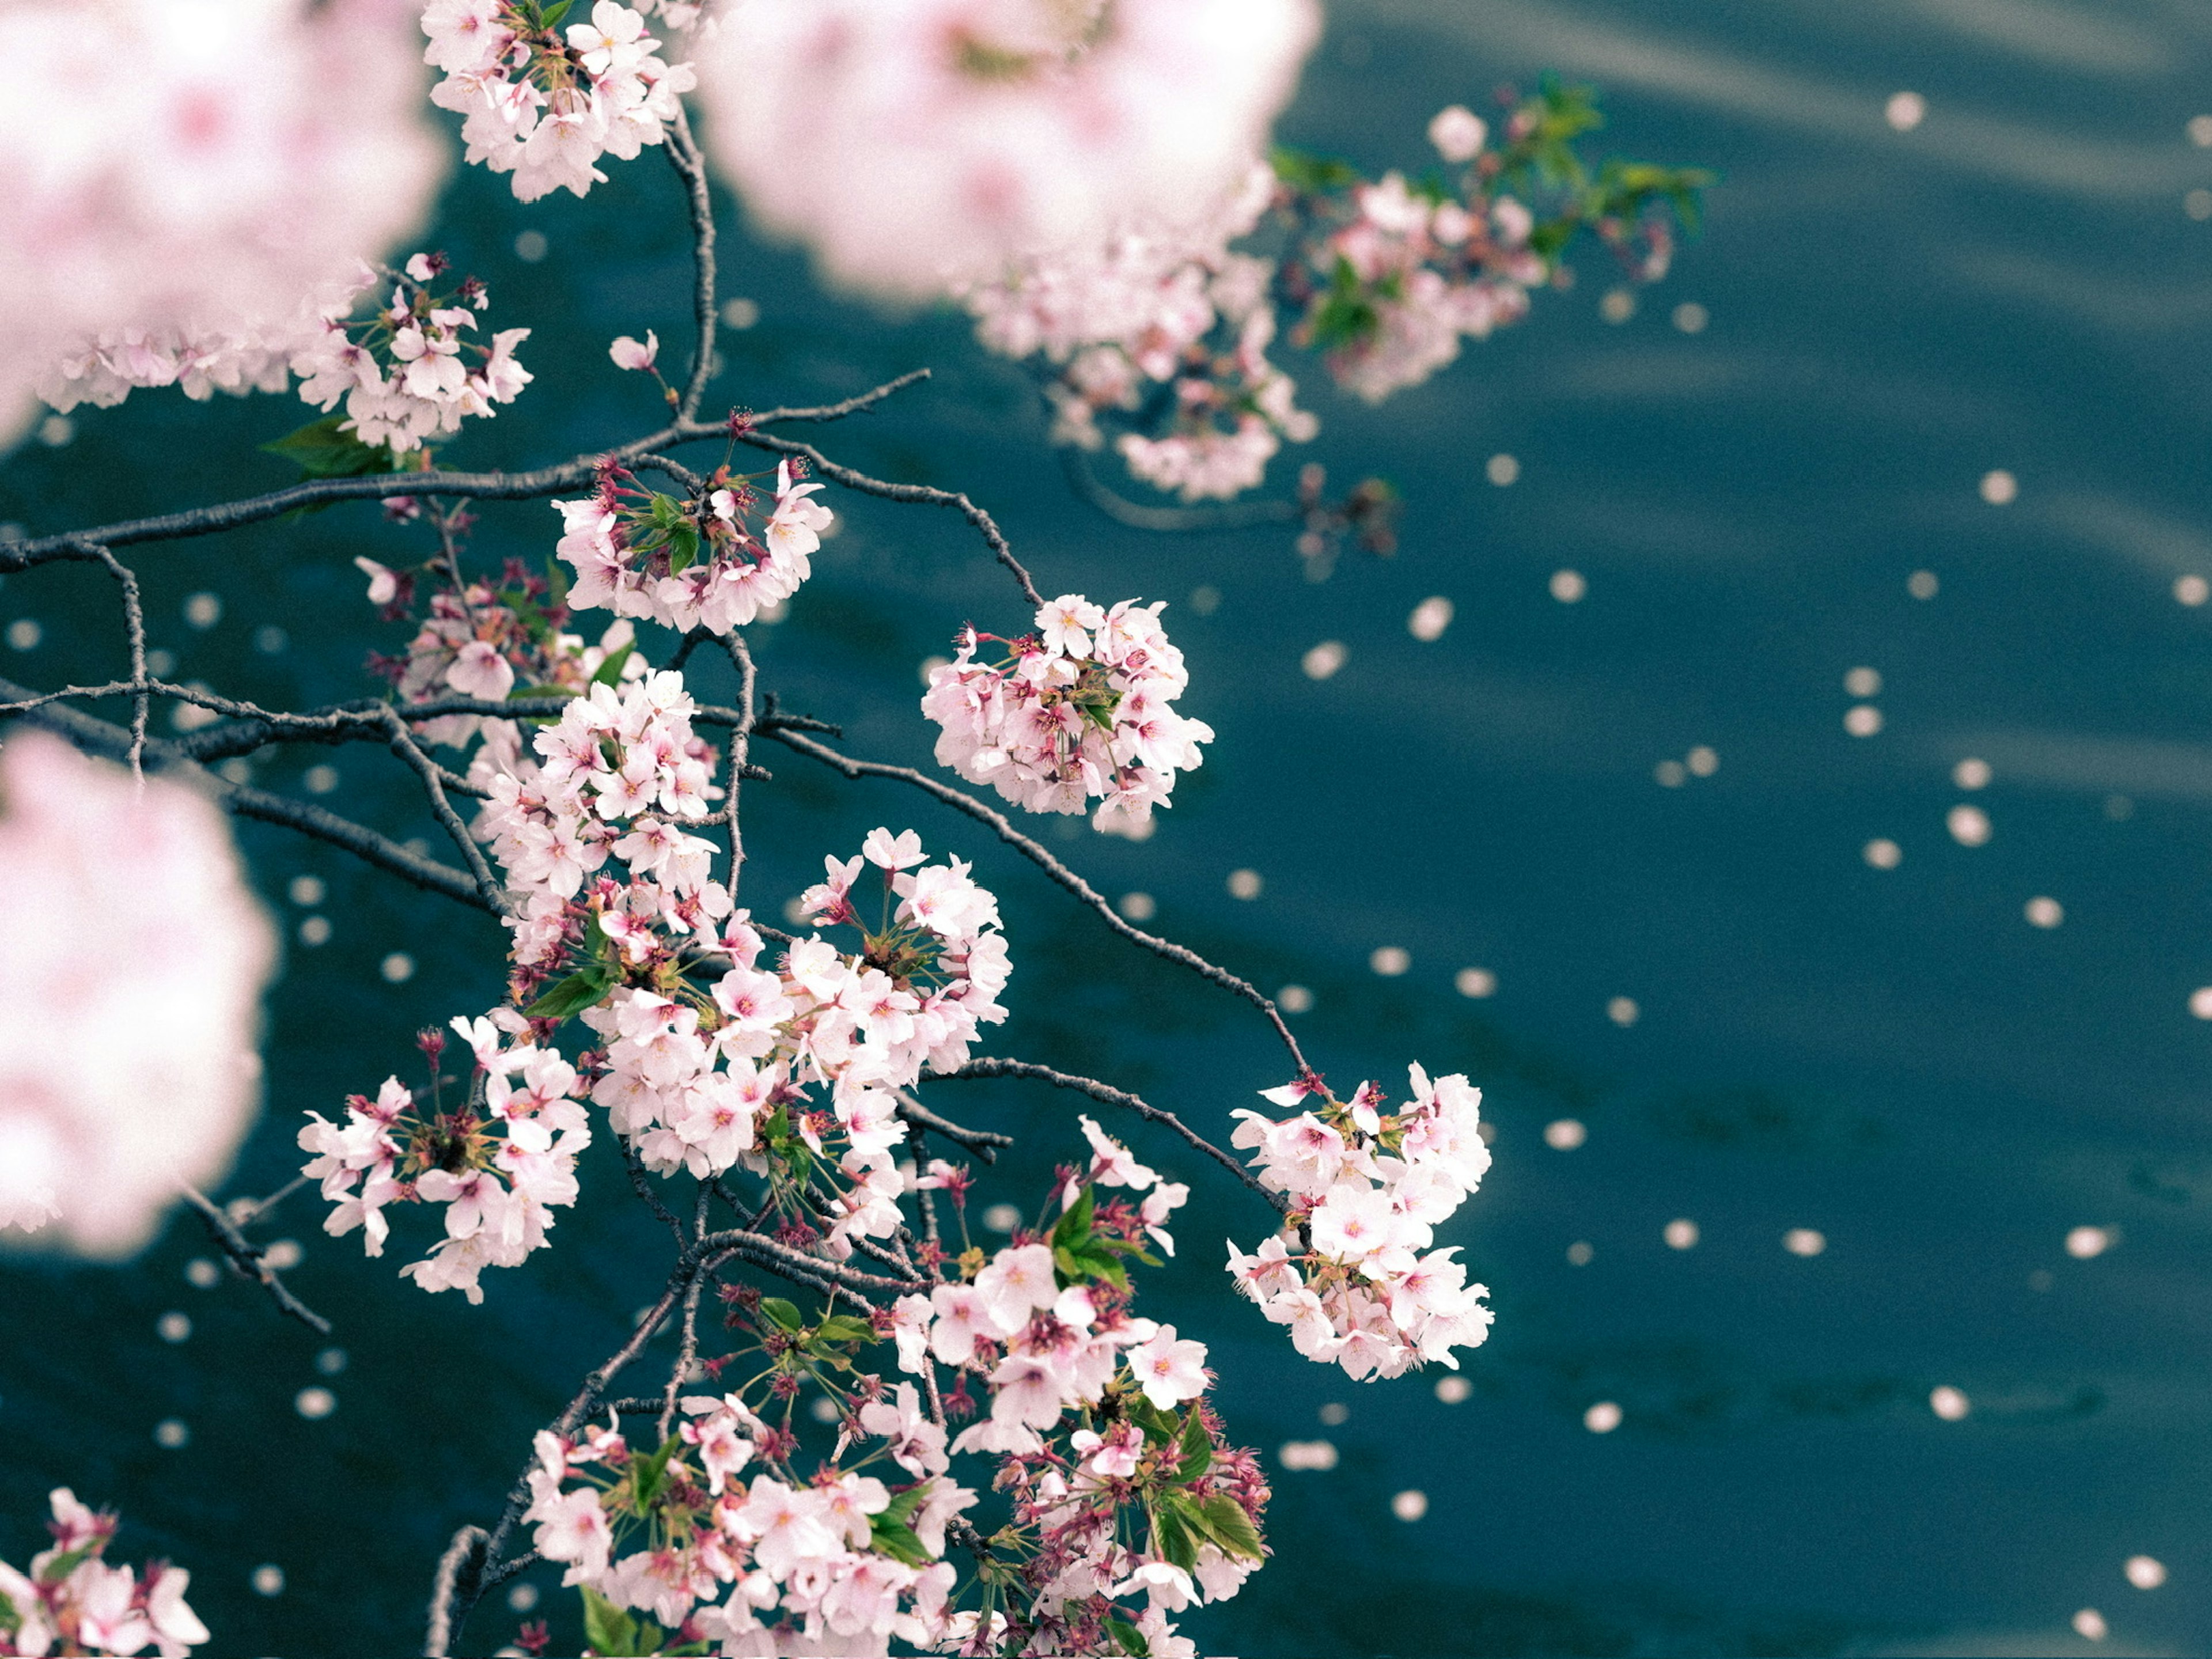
[[72, 1601], [1078, 711], [690, 565], [1168, 1369], [130, 979], [1366, 1292], [600, 90]]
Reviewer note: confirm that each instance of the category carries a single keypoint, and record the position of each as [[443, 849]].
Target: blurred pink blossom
[[183, 173], [130, 976], [915, 144]]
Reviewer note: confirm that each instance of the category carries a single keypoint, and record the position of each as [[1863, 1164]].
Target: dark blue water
[[1895, 1058]]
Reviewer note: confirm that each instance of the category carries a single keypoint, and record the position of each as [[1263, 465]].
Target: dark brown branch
[[985, 525], [481, 486], [1051, 866], [683, 155], [1108, 1094], [99, 738], [984, 1143], [248, 1258]]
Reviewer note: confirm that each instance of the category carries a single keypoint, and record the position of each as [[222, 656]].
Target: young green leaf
[[609, 672], [320, 450], [573, 994], [785, 1315], [647, 1472], [607, 1629], [1127, 1638], [1195, 1450], [1222, 1519], [899, 1541], [1171, 1532]]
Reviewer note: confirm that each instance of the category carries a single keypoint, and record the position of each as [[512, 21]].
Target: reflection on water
[[1800, 1349]]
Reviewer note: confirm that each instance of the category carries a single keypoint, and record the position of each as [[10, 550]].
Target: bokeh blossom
[[130, 977]]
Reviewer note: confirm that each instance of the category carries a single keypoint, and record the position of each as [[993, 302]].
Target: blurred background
[[1797, 827]]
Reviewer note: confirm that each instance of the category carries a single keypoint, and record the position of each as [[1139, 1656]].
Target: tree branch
[[99, 738], [484, 486], [992, 539], [247, 1258], [1053, 867], [1108, 1094]]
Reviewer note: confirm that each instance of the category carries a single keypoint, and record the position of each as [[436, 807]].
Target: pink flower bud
[[629, 353]]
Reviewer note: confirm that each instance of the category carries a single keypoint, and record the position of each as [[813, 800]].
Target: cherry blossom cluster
[[182, 172], [406, 372], [1167, 326], [131, 972], [73, 1600], [1079, 710], [917, 144], [704, 1080], [1162, 331], [1353, 1274], [104, 369], [501, 1162], [691, 564], [842, 1561], [544, 103], [614, 911], [474, 639], [1114, 1465]]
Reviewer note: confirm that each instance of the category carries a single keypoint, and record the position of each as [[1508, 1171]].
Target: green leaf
[[1222, 1519], [607, 1629], [1073, 1227], [1195, 1450], [553, 14], [1315, 174], [899, 1541], [683, 548], [646, 1474], [845, 1327], [609, 672], [1127, 1638], [63, 1566], [320, 450], [785, 1315], [1159, 1429], [900, 1510], [1171, 1538], [573, 994]]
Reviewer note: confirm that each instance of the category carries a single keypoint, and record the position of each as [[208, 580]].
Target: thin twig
[[740, 746], [248, 1259], [463, 1558], [1108, 1094], [984, 1143], [97, 736], [134, 619], [851, 479], [683, 155], [485, 486], [1051, 866], [404, 746]]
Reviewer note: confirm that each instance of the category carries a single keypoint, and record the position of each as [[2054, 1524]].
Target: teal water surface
[[1895, 1059]]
